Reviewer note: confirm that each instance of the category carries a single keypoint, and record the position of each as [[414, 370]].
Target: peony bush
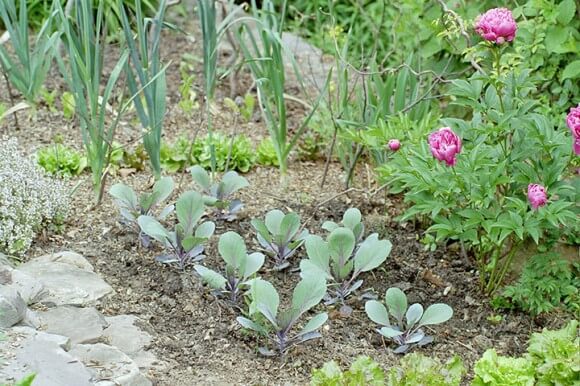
[[28, 199], [498, 177]]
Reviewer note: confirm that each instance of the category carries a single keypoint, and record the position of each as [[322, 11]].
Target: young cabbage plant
[[131, 207], [218, 194], [406, 331], [279, 236], [277, 326], [351, 219], [185, 244], [239, 267], [341, 261]]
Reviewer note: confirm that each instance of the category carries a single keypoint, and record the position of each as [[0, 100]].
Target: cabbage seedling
[[239, 266], [131, 207], [351, 219], [218, 195], [279, 236], [341, 261], [183, 245], [276, 326], [406, 331]]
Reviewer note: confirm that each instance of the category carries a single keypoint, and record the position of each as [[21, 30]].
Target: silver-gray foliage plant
[[280, 236], [277, 325], [406, 330], [342, 257], [218, 194], [184, 244], [240, 266], [29, 199], [132, 207]]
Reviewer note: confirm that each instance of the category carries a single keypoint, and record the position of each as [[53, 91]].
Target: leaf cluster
[[61, 160]]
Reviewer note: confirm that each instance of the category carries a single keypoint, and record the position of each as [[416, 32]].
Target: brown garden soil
[[195, 333]]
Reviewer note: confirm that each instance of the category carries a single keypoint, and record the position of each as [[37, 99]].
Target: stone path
[[49, 326]]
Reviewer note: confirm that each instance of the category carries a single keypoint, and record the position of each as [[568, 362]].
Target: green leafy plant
[[242, 106], [240, 266], [177, 156], [26, 381], [188, 101], [340, 259], [277, 325], [218, 194], [266, 153], [83, 72], [280, 236], [555, 354], [547, 281], [131, 207], [61, 160], [183, 245], [266, 57], [68, 105], [146, 76], [363, 371], [492, 369], [406, 330], [49, 97], [417, 369], [28, 68]]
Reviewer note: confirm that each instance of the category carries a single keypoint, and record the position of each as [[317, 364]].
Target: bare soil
[[195, 333]]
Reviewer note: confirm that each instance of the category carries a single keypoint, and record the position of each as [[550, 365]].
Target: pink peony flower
[[394, 144], [445, 145], [537, 195], [573, 122], [496, 25]]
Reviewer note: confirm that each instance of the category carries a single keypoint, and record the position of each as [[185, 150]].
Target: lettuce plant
[[351, 219], [218, 194], [493, 370], [555, 355], [341, 261], [280, 236], [240, 266], [266, 153], [416, 369], [61, 160], [132, 207], [184, 245], [363, 371], [277, 325], [406, 330]]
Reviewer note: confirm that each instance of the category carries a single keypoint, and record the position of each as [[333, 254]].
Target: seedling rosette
[[185, 244], [240, 266], [406, 331], [279, 236], [218, 194], [277, 325], [132, 207]]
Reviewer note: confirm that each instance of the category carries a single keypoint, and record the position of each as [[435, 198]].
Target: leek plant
[[84, 34], [265, 56], [27, 68]]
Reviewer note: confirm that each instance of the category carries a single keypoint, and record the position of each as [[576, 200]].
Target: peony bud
[[445, 145], [573, 122], [394, 144], [537, 195], [496, 25]]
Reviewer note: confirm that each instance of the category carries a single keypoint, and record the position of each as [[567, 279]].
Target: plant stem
[[497, 56]]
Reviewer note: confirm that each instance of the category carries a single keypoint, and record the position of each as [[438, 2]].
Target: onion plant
[[144, 70], [266, 58], [27, 68], [84, 37]]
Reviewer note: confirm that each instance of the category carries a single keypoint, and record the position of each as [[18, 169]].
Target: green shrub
[[547, 282]]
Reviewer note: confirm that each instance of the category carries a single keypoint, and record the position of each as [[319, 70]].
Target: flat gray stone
[[125, 335], [12, 307], [67, 257], [28, 351], [5, 261], [30, 290], [109, 365], [66, 284], [81, 325]]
